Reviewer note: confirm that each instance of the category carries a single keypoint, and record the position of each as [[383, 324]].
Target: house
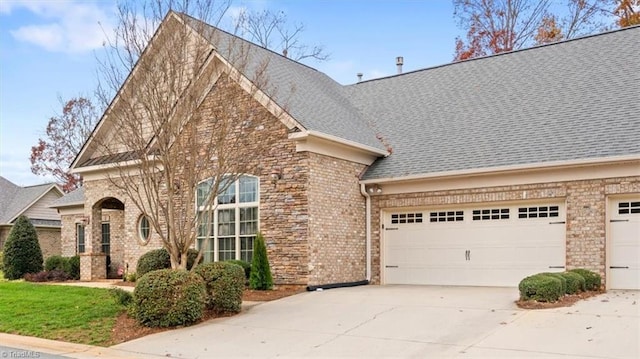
[[473, 173], [33, 202]]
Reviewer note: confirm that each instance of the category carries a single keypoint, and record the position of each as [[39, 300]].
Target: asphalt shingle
[[577, 99]]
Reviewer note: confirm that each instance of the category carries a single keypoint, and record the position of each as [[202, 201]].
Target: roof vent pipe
[[359, 74], [399, 62]]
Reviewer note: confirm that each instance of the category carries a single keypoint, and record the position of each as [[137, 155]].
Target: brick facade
[[49, 239], [586, 203]]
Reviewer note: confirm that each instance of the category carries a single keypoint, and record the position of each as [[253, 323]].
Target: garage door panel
[[476, 252], [624, 259]]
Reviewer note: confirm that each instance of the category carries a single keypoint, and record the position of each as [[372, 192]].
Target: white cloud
[[65, 26]]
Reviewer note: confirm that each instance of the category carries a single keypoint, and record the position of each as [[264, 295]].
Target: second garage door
[[481, 245]]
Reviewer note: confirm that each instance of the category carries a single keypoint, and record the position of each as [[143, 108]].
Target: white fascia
[[333, 146]]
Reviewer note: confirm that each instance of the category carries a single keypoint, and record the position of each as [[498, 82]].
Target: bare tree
[[271, 30], [183, 125], [62, 140], [495, 26]]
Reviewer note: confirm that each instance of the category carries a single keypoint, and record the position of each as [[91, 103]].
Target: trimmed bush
[[167, 298], [131, 277], [22, 253], [592, 280], [563, 281], [153, 260], [541, 287], [58, 263], [246, 266], [260, 277], [225, 283], [575, 282], [160, 259]]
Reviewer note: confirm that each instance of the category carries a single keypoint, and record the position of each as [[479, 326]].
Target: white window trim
[[215, 207]]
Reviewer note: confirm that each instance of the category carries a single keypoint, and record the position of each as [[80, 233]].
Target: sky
[[49, 50]]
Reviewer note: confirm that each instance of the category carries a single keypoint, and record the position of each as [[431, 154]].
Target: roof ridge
[[247, 41], [505, 53]]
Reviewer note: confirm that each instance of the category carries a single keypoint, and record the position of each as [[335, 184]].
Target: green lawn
[[73, 314]]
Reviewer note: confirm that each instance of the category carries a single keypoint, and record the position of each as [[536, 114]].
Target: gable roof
[[16, 200], [73, 198], [577, 99], [312, 98]]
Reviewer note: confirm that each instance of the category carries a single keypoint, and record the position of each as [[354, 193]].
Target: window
[[448, 216], [144, 229], [406, 218], [80, 238], [538, 212], [489, 214], [227, 229], [106, 238], [628, 207]]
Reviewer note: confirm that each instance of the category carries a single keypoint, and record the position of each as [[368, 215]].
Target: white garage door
[[481, 245], [624, 259]]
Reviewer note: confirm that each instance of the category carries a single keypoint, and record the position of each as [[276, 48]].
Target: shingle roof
[[15, 199], [576, 99], [314, 99], [75, 197]]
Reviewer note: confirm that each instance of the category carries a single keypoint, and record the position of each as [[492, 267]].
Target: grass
[[72, 314]]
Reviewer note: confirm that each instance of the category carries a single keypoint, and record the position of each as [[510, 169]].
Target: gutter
[[363, 191]]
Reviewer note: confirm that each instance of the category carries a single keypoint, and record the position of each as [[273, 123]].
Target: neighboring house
[[33, 202], [473, 173]]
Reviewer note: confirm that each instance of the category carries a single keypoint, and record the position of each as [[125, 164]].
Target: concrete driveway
[[410, 321]]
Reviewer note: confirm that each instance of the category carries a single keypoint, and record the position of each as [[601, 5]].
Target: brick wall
[[68, 234], [586, 203], [49, 239], [337, 240]]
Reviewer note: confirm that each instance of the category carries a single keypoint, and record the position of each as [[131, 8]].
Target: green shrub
[[160, 259], [122, 296], [22, 253], [260, 277], [153, 260], [74, 267], [592, 280], [166, 298], [131, 277], [246, 266], [225, 283], [1, 261], [575, 282], [57, 262], [563, 280], [541, 287]]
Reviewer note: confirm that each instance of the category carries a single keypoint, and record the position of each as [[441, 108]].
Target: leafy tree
[[22, 253], [260, 277], [63, 139], [495, 26], [627, 12]]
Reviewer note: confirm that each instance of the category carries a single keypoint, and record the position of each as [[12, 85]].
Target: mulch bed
[[127, 328], [566, 301]]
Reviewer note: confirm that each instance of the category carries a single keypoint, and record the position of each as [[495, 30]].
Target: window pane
[[204, 188], [226, 248], [248, 189], [208, 245], [106, 238], [246, 248], [80, 237], [229, 194], [226, 222], [248, 220]]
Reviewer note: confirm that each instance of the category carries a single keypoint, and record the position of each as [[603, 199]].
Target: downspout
[[368, 250], [363, 191]]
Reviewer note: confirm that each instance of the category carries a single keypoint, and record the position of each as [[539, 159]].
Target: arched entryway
[[104, 256]]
